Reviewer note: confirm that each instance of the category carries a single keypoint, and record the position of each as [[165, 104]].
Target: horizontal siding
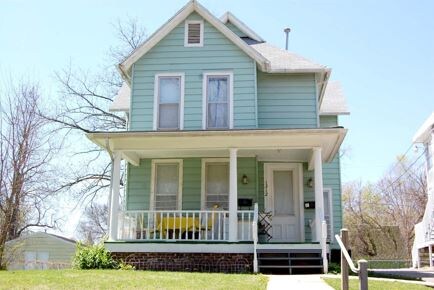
[[286, 101], [139, 183], [59, 252], [235, 29], [170, 55], [328, 121]]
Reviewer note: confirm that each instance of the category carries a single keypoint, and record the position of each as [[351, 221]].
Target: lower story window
[[216, 185], [167, 185]]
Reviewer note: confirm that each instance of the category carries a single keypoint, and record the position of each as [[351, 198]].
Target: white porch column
[[319, 193], [114, 202], [233, 196]]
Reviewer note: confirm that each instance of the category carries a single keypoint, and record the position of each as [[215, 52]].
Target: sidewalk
[[304, 282]]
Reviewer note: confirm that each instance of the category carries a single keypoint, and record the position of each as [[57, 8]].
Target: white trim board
[[229, 17], [201, 42], [154, 162], [179, 247]]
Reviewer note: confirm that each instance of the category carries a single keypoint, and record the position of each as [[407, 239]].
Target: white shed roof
[[423, 134], [121, 102], [334, 102], [285, 61]]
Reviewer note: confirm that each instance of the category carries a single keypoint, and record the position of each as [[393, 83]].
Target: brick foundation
[[188, 262]]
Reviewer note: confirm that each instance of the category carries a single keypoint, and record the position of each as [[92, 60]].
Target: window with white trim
[[193, 33], [218, 90], [167, 185], [217, 185], [169, 98]]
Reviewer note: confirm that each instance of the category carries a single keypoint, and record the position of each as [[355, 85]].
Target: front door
[[282, 199]]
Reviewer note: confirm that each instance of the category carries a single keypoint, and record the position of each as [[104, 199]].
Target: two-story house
[[424, 231], [231, 152]]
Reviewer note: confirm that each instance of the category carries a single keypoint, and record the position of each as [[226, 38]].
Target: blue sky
[[381, 51]]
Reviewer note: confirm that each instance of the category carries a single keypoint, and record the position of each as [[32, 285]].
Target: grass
[[376, 285], [115, 279]]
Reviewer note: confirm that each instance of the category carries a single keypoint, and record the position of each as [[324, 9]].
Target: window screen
[[218, 102], [217, 185], [166, 186], [169, 95]]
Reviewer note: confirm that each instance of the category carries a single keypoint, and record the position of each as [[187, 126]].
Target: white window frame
[[186, 44], [203, 178], [330, 194], [154, 164], [156, 98], [228, 74]]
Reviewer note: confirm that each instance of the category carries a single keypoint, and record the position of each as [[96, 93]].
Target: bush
[[93, 257], [334, 268]]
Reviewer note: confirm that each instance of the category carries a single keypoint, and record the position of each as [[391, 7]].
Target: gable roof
[[334, 102], [181, 15], [229, 17], [121, 102]]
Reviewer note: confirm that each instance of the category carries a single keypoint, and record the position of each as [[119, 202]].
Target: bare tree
[[93, 224], [25, 176], [404, 190], [381, 216], [85, 100]]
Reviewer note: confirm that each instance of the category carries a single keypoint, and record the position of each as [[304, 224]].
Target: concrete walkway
[[303, 282]]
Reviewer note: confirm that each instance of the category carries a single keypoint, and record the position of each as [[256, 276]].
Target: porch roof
[[159, 144]]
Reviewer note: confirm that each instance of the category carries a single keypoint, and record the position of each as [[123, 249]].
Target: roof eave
[[228, 16]]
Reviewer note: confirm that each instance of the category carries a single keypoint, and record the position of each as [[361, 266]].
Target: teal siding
[[170, 55], [235, 29], [332, 179], [286, 101], [139, 183], [328, 121]]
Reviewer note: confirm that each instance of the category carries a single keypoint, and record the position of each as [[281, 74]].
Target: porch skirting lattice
[[188, 262]]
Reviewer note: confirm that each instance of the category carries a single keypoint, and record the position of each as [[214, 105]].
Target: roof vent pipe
[[287, 31]]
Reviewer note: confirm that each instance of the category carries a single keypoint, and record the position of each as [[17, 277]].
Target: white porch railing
[[188, 225]]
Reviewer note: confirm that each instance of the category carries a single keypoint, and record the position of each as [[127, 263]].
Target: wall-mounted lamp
[[310, 182], [244, 179]]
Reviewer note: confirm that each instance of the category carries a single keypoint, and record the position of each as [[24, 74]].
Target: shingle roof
[[121, 102], [423, 134], [283, 60], [334, 102]]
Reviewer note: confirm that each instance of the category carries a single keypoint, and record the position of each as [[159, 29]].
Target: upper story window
[[217, 103], [169, 101], [193, 35]]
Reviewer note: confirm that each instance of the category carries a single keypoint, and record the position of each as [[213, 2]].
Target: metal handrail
[[346, 255]]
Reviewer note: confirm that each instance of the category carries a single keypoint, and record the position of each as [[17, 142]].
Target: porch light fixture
[[310, 182], [244, 179]]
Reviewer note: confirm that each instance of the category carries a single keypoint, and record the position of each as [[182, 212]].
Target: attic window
[[193, 33]]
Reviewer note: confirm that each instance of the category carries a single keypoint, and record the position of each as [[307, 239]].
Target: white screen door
[[282, 195]]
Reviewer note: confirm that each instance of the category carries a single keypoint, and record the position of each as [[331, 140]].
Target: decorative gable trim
[[181, 15], [187, 33], [229, 17]]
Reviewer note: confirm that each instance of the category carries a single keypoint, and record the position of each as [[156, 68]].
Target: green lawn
[[115, 279], [376, 285]]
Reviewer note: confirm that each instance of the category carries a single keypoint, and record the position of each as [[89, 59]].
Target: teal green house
[[231, 153]]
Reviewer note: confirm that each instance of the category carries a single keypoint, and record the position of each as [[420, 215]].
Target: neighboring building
[[39, 251], [224, 128], [424, 231]]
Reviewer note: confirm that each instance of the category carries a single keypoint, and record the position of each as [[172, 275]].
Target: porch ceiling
[[282, 144]]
